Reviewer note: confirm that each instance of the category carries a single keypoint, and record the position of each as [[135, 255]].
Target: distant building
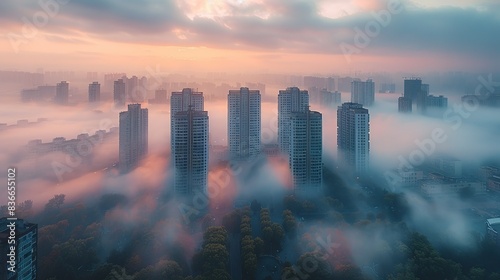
[[306, 151], [329, 98], [410, 177], [244, 118], [493, 231], [387, 88], [26, 245], [318, 82], [190, 151], [404, 105], [133, 139], [39, 94], [363, 92], [290, 101], [62, 93], [161, 96], [436, 102], [36, 148], [446, 187], [119, 93], [353, 136], [446, 165], [412, 88], [94, 92], [344, 83]]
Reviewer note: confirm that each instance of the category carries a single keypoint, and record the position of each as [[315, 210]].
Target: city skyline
[[250, 139]]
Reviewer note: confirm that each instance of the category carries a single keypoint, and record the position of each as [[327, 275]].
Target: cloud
[[291, 26]]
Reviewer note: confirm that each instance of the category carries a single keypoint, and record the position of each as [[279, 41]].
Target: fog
[[148, 192]]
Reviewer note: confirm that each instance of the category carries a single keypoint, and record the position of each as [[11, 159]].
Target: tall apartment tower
[[182, 101], [404, 105], [133, 139], [289, 101], [119, 93], [190, 151], [412, 88], [306, 151], [25, 243], [353, 136], [62, 93], [363, 92], [94, 92], [243, 123]]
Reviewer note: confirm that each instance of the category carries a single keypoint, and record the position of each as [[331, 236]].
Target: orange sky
[[248, 35]]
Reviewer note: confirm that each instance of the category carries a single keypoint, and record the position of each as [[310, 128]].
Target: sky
[[270, 36]]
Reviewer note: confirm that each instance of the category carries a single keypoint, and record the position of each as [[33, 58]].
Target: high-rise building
[[412, 88], [62, 93], [404, 105], [182, 101], [133, 139], [25, 253], [306, 151], [436, 101], [289, 101], [94, 92], [190, 151], [329, 98], [243, 123], [363, 92], [353, 136], [119, 93], [387, 88], [161, 96]]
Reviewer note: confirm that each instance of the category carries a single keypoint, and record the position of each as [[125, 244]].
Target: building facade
[[62, 93], [305, 158], [94, 92], [25, 243], [183, 101], [190, 151], [119, 93], [404, 105], [244, 123], [353, 136], [363, 92], [290, 101], [133, 137]]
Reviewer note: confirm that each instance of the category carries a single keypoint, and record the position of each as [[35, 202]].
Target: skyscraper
[[363, 92], [62, 93], [243, 123], [329, 98], [306, 151], [353, 136], [182, 101], [133, 140], [404, 105], [94, 92], [289, 101], [190, 151], [119, 93], [25, 243], [412, 88]]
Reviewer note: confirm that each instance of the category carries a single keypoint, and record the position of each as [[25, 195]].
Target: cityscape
[[200, 140]]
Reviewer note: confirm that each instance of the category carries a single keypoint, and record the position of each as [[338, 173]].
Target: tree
[[232, 221], [55, 203]]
